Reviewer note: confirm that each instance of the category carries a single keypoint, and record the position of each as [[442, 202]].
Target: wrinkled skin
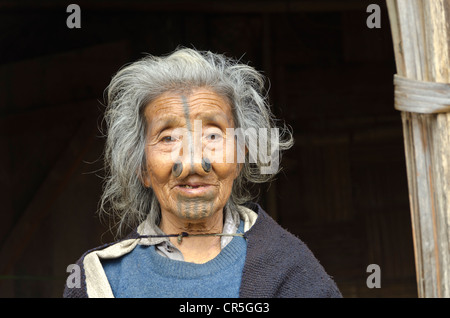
[[173, 120]]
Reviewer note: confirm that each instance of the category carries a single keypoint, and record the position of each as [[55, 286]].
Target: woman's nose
[[191, 161], [182, 169]]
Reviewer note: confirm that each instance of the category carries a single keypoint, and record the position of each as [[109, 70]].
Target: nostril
[[177, 169]]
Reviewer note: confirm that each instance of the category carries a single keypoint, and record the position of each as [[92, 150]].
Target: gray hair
[[136, 85]]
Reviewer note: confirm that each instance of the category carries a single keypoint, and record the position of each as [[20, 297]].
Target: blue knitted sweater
[[145, 273]]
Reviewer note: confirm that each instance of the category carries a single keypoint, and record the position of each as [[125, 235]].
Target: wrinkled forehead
[[175, 107]]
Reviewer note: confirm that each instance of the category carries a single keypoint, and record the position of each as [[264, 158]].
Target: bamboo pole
[[421, 39]]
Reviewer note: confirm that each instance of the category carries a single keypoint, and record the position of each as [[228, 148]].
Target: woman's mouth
[[187, 186], [194, 189]]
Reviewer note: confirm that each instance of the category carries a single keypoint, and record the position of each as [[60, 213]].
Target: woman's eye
[[168, 139], [213, 137]]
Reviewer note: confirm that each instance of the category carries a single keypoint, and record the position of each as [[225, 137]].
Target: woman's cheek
[[158, 166]]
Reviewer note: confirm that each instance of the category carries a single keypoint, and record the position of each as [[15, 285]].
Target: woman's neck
[[195, 249]]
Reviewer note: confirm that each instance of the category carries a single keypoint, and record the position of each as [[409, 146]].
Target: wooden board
[[421, 38]]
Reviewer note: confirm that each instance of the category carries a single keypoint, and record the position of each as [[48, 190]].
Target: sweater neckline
[[167, 267]]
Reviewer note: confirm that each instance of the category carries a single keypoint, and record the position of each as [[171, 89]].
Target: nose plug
[[178, 167], [206, 165]]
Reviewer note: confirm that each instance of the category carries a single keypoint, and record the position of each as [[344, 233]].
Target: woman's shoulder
[[277, 256], [88, 265], [269, 233]]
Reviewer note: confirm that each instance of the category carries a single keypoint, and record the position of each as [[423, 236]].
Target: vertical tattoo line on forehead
[[189, 127]]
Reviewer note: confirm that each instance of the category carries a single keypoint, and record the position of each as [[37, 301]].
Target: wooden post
[[421, 39]]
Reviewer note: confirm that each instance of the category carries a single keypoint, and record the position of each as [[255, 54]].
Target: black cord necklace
[[185, 234]]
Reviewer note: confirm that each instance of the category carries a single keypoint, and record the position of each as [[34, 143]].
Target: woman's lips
[[193, 189]]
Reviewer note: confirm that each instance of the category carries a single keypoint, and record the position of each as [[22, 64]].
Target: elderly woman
[[188, 133]]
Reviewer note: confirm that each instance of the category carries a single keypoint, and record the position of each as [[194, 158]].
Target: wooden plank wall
[[422, 51], [343, 190]]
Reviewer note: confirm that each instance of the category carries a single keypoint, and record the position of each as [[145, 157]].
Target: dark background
[[343, 189]]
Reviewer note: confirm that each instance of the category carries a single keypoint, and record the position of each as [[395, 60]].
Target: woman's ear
[[144, 176]]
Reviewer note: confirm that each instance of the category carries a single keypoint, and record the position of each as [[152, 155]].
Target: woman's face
[[186, 129]]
